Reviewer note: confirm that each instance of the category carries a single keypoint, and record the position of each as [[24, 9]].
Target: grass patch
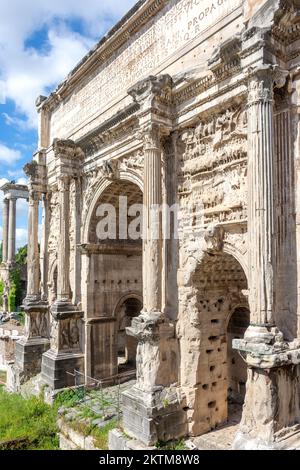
[[173, 445], [69, 398], [101, 435], [27, 424]]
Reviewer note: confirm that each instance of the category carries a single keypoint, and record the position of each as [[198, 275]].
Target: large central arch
[[112, 274]]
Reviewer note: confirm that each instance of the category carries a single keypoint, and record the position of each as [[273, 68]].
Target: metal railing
[[102, 397]]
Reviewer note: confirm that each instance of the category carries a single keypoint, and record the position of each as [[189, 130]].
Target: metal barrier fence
[[102, 397]]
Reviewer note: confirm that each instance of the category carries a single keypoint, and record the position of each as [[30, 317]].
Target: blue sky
[[40, 42]]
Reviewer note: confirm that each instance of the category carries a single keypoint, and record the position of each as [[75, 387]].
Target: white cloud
[[26, 73], [9, 156], [21, 237]]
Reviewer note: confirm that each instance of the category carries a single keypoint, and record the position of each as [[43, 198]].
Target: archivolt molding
[[98, 180], [128, 295]]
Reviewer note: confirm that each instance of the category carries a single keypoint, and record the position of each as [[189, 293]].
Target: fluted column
[[12, 231], [63, 281], [152, 261], [44, 244], [261, 201], [33, 264], [5, 230]]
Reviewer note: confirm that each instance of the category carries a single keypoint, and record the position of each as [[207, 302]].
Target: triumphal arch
[[187, 104]]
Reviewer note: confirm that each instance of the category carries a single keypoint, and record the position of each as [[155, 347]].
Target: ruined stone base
[[271, 409], [57, 369], [28, 362], [153, 416]]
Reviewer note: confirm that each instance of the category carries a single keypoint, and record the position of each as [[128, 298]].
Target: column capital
[[34, 196], [64, 183], [262, 80]]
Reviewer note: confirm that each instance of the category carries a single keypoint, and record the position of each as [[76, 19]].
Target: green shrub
[[27, 423], [69, 398]]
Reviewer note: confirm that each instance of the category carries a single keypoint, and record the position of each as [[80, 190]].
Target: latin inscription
[[179, 23]]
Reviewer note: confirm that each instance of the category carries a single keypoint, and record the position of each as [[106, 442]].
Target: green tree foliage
[[21, 256], [1, 292]]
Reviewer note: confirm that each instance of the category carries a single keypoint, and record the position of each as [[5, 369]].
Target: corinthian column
[[63, 280], [261, 200], [5, 230], [12, 230], [152, 261], [33, 264]]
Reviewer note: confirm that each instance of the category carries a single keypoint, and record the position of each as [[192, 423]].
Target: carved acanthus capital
[[34, 197], [63, 183], [147, 91], [31, 170], [151, 135], [146, 327], [262, 81]]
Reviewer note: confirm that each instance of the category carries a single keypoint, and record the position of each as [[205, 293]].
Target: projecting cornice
[[131, 23]]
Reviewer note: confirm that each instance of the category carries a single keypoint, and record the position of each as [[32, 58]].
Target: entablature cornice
[[122, 123]]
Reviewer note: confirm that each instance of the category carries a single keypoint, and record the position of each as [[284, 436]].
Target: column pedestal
[[65, 355], [151, 409], [272, 409], [29, 350]]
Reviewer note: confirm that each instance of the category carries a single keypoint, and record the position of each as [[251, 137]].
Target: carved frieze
[[213, 168]]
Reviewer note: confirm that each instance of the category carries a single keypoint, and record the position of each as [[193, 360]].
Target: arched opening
[[222, 313], [114, 278], [126, 344]]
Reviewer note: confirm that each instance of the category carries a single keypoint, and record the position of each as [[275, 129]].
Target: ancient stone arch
[[214, 134]]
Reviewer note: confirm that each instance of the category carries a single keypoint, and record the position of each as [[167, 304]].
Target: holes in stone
[[233, 361], [212, 368], [205, 387], [186, 408], [209, 351], [212, 404], [214, 384], [213, 338], [215, 321]]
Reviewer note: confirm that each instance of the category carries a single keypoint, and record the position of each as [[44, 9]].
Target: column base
[[155, 416], [272, 406], [28, 360], [57, 369]]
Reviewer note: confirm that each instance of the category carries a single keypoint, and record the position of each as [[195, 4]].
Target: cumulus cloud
[[9, 156], [26, 72]]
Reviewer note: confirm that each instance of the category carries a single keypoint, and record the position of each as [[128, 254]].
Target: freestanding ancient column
[[5, 229], [11, 252], [271, 396], [12, 192], [157, 347]]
